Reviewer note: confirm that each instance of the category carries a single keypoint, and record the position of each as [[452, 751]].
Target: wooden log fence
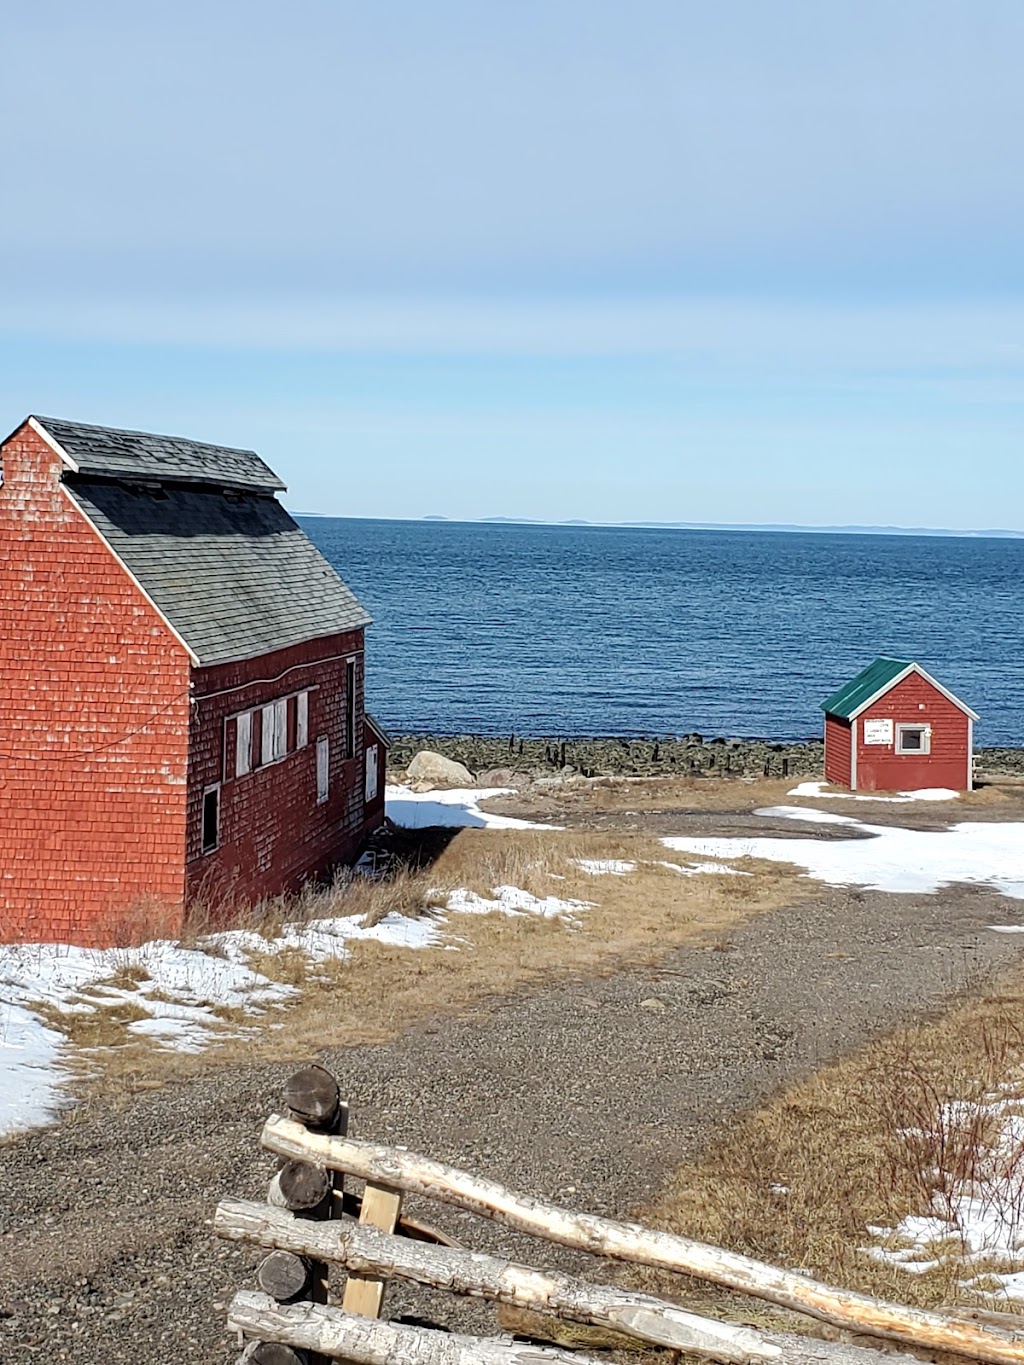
[[310, 1223]]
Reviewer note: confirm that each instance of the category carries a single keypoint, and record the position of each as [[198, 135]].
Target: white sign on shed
[[878, 732]]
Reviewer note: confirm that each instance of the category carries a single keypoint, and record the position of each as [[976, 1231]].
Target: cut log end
[[284, 1276], [312, 1096], [272, 1353], [303, 1186]]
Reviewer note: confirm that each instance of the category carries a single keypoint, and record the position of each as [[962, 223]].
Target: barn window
[[913, 739], [350, 709], [211, 818], [370, 788], [243, 744], [323, 769]]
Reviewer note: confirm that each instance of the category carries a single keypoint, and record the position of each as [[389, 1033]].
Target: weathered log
[[283, 1275], [303, 1186], [311, 1095], [368, 1250], [631, 1242], [368, 1341]]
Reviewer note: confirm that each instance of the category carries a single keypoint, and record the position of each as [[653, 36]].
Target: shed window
[[211, 819], [913, 739]]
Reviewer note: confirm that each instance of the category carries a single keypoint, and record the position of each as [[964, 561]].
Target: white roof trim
[[55, 446], [85, 516], [923, 673]]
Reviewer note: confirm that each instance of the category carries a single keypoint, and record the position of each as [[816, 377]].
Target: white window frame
[[926, 738], [243, 743], [266, 734], [323, 769], [280, 729], [204, 851], [301, 720], [372, 782]]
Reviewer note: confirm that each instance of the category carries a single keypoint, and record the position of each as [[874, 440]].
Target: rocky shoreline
[[614, 757]]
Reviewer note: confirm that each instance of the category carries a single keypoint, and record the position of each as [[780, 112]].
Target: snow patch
[[821, 789], [511, 900], [977, 1223], [180, 989], [700, 869], [885, 857], [606, 867], [455, 809]]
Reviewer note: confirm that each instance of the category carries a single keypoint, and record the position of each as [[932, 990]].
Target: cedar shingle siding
[[116, 547]]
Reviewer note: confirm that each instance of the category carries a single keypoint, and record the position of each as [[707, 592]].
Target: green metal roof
[[869, 681]]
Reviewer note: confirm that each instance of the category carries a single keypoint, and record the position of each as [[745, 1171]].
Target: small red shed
[[895, 728]]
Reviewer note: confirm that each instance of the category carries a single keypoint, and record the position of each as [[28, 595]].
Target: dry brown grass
[[648, 795], [846, 1146], [637, 795], [381, 990]]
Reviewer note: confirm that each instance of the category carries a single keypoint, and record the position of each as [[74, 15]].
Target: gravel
[[589, 1091]]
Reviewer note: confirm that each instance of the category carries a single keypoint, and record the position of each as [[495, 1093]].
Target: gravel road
[[591, 1091]]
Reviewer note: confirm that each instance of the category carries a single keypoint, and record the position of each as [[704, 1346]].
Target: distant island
[[784, 528]]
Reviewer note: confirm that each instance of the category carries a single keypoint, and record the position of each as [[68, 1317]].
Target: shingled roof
[[231, 571], [112, 453]]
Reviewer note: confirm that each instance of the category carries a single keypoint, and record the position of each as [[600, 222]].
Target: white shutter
[[371, 772], [268, 734], [281, 727], [323, 769], [302, 720], [243, 744]]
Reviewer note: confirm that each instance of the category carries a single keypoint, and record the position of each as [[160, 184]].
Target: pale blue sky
[[740, 262]]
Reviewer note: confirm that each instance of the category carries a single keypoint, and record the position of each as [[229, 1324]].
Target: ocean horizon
[[498, 627]]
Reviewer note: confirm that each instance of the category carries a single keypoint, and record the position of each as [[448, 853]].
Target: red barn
[[894, 728], [181, 687]]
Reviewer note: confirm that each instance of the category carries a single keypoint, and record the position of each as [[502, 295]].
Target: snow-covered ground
[[819, 789], [181, 992], [885, 857], [976, 1224], [458, 808]]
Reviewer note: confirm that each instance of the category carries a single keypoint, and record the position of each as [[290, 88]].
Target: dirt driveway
[[591, 1091]]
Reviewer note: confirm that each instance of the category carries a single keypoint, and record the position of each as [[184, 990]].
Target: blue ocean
[[490, 628]]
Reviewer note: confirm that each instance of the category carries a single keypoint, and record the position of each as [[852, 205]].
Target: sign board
[[878, 732]]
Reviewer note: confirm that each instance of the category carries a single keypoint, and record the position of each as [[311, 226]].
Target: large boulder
[[427, 766]]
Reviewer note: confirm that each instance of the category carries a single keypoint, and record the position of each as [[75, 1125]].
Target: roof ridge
[[136, 431]]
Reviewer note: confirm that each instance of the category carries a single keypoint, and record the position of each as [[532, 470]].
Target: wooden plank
[[364, 1293], [842, 1308]]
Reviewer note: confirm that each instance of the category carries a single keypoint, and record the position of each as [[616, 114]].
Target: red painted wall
[[837, 751], [373, 810], [915, 701], [274, 835], [93, 725]]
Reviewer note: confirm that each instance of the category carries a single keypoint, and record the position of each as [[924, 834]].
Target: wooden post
[[309, 1191], [364, 1293]]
